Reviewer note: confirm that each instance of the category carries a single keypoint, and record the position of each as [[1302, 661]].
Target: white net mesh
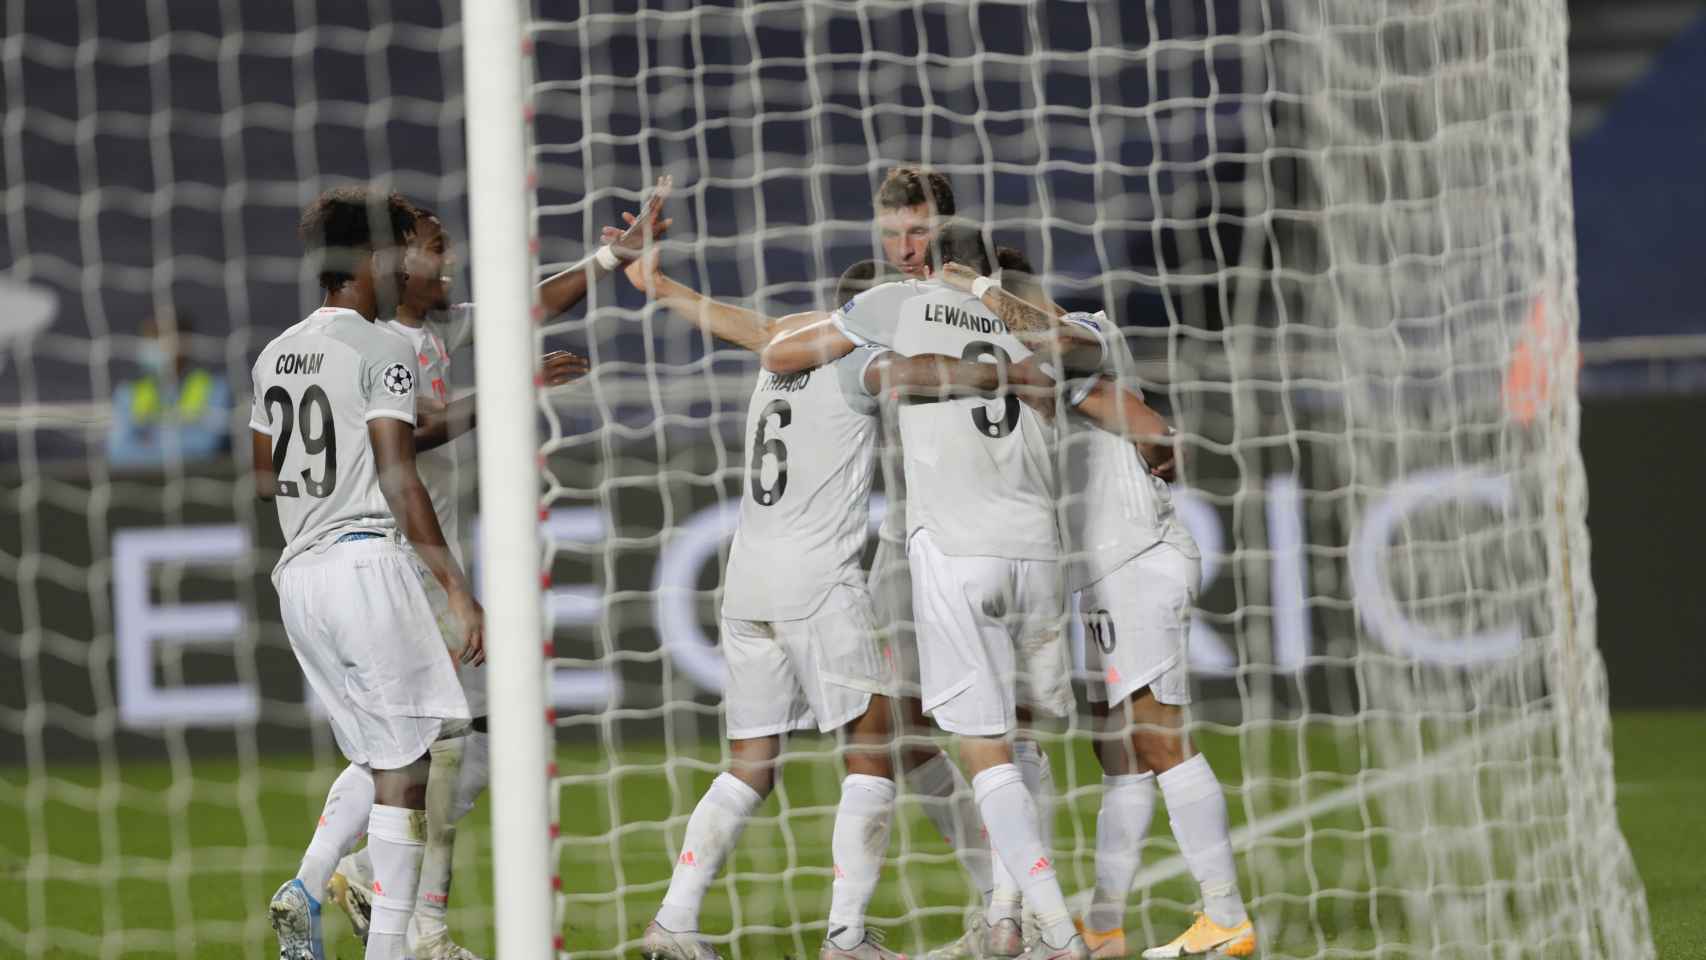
[[1336, 234]]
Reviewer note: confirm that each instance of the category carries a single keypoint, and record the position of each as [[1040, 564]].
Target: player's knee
[[754, 762], [761, 778], [403, 786], [1158, 738], [1116, 754]]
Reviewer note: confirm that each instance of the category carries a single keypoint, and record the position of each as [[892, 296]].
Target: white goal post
[[497, 54]]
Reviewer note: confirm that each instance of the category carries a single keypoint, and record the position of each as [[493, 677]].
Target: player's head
[[355, 235], [911, 204], [962, 242], [428, 260], [1019, 278], [863, 276]]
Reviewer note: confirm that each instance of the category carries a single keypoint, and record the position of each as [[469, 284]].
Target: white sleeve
[[851, 371], [260, 418], [1078, 388], [388, 375], [871, 317]]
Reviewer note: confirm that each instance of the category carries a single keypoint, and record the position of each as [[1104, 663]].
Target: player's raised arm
[[870, 304], [562, 292], [803, 341], [725, 321]]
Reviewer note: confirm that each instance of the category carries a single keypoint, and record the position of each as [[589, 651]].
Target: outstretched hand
[[561, 366], [643, 272], [648, 226]]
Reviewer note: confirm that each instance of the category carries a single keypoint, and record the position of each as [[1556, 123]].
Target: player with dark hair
[[332, 425], [986, 590], [435, 328], [1136, 571]]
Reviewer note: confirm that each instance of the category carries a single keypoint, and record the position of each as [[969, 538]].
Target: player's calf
[[861, 835]]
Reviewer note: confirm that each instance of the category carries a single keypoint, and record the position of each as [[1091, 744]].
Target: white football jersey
[[316, 387], [433, 343], [979, 473], [805, 502], [1114, 508], [874, 315], [870, 319]]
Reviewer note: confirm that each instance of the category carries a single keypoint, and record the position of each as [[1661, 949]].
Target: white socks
[[712, 832], [1011, 816], [342, 821], [459, 770], [860, 841], [396, 838], [947, 800], [1039, 779], [1128, 801], [1198, 811]]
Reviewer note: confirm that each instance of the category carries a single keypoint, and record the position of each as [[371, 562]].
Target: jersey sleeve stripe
[[265, 428], [404, 416]]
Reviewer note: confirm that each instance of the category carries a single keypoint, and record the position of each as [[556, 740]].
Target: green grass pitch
[[163, 859]]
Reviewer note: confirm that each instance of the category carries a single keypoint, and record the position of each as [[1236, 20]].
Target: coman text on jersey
[[306, 363]]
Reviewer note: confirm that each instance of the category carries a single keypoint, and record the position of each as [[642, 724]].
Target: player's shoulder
[[885, 292], [370, 340]]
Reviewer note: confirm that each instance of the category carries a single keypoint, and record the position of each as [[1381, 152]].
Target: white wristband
[[982, 285], [606, 258]]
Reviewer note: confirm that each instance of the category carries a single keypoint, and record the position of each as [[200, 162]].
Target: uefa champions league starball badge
[[399, 380]]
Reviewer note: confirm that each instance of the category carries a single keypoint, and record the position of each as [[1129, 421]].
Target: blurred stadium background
[[165, 165]]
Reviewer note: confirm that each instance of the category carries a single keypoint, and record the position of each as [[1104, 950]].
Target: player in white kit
[[436, 328], [798, 634], [911, 204], [873, 318], [1136, 571], [332, 425], [984, 551]]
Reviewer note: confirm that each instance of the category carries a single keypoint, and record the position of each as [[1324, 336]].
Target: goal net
[[1335, 234]]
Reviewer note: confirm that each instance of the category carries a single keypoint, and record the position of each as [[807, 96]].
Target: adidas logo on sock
[[377, 889], [1041, 865], [687, 859]]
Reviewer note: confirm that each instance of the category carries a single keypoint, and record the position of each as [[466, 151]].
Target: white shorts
[[890, 584], [1136, 621], [819, 671], [472, 678], [364, 632], [989, 639]]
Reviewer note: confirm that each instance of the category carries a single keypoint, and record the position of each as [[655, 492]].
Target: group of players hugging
[[1022, 468]]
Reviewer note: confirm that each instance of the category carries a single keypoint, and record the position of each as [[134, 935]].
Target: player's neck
[[351, 296], [410, 316]]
